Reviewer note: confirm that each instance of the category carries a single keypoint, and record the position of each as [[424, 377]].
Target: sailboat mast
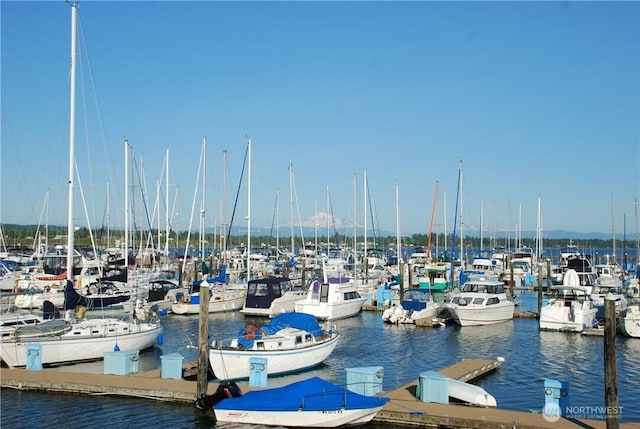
[[126, 205], [72, 140], [398, 241], [166, 209], [293, 244], [202, 200], [224, 207], [433, 215], [249, 211]]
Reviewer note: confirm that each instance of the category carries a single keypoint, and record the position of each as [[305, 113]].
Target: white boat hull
[[231, 302], [630, 323], [81, 344], [234, 364], [331, 311], [478, 316], [36, 300], [296, 418], [470, 394], [556, 316]]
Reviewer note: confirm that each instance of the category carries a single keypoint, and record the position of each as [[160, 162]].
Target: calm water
[[403, 351]]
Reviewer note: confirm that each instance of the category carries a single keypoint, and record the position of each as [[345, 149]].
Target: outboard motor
[[226, 389]]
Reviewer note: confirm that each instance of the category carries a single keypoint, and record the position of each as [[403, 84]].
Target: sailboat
[[75, 338]]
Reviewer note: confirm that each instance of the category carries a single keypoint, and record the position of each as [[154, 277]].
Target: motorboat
[[312, 402], [331, 299], [417, 305], [291, 342], [630, 321], [160, 294], [571, 309], [270, 296], [480, 302]]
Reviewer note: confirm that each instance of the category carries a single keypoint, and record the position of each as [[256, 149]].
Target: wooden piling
[[610, 369], [203, 341]]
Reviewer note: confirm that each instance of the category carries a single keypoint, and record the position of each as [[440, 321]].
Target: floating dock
[[404, 408]]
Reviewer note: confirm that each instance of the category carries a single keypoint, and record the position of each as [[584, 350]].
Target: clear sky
[[539, 100]]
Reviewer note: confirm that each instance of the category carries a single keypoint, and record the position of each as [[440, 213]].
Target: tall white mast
[[366, 257], [166, 209], [398, 242], [72, 141], [204, 193], [223, 221], [249, 211], [293, 251], [328, 222], [126, 204]]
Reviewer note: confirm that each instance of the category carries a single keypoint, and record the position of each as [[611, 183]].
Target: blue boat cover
[[304, 321], [73, 299], [312, 394]]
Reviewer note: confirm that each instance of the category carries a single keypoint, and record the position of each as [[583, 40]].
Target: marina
[[124, 316], [403, 351]]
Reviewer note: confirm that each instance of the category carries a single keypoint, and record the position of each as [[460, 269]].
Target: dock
[[403, 409]]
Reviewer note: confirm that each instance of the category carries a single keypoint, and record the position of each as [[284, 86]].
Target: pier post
[[540, 290], [549, 282], [203, 341], [610, 369]]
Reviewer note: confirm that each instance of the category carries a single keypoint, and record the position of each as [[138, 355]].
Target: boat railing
[[339, 394]]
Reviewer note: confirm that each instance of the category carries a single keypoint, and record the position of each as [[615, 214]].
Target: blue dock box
[[121, 362], [556, 398], [433, 387], [171, 366], [365, 380], [384, 295], [258, 372], [34, 357]]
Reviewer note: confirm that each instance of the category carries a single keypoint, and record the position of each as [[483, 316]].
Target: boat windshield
[[483, 287]]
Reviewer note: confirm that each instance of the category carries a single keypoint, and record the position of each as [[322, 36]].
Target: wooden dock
[[404, 408]]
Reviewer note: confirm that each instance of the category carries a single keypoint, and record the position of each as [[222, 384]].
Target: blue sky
[[540, 101]]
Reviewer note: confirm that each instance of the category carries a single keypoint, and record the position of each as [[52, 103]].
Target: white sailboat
[[76, 338]]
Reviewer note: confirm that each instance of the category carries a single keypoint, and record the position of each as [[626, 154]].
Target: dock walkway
[[404, 408]]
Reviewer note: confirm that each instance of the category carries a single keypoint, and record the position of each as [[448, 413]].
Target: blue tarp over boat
[[304, 321], [313, 394]]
